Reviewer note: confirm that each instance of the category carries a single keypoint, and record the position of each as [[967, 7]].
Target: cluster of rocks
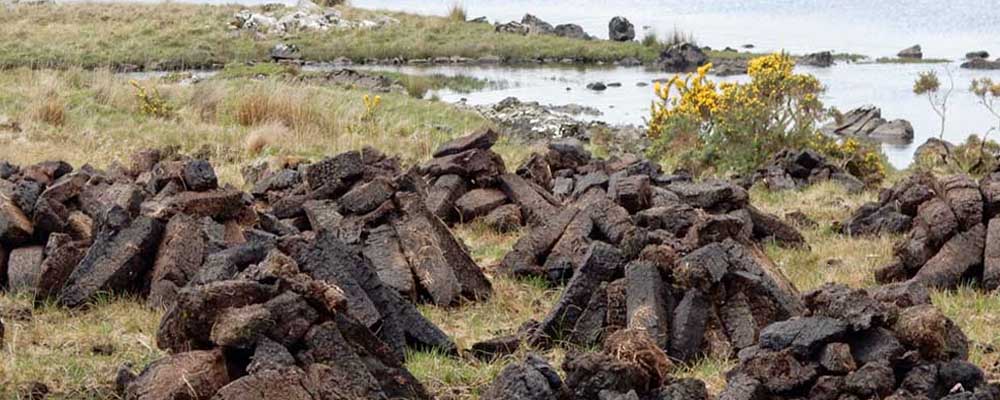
[[531, 121], [980, 60], [280, 328], [889, 343], [795, 169], [467, 181], [629, 366], [866, 122], [155, 226], [645, 250], [305, 16], [683, 57], [821, 59], [532, 25], [619, 29], [951, 229]]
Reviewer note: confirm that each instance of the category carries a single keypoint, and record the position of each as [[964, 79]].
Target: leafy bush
[[735, 127], [151, 102]]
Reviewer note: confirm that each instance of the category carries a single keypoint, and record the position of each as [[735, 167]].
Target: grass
[[175, 36], [235, 120], [57, 347], [457, 12]]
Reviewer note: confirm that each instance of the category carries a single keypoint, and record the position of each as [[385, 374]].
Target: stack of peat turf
[[952, 233], [468, 181], [274, 331], [796, 169], [889, 343], [638, 249], [152, 227]]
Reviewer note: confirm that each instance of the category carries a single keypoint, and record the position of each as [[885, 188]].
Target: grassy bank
[[171, 36], [97, 117]]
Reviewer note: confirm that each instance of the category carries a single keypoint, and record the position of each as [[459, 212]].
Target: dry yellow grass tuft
[[265, 136], [50, 110]]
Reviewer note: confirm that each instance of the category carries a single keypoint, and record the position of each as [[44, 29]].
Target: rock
[[194, 374], [821, 59], [981, 64], [682, 57], [536, 25], [572, 31], [514, 27], [895, 131], [621, 30], [283, 52], [973, 55], [532, 379], [867, 122], [596, 86], [911, 52], [116, 262]]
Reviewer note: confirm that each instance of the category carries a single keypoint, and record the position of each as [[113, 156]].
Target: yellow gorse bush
[[150, 101], [737, 126], [371, 106]]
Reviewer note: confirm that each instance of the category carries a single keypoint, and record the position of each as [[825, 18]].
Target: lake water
[[945, 29]]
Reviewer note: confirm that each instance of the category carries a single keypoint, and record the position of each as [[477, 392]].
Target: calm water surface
[[945, 29]]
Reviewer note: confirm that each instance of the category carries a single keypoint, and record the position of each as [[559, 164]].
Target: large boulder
[[681, 57], [621, 30], [914, 52], [821, 59]]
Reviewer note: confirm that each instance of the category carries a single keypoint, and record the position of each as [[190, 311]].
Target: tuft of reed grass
[[457, 12], [50, 110]]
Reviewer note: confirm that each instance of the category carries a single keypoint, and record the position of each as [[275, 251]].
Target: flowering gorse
[[735, 126], [371, 107], [150, 101]]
